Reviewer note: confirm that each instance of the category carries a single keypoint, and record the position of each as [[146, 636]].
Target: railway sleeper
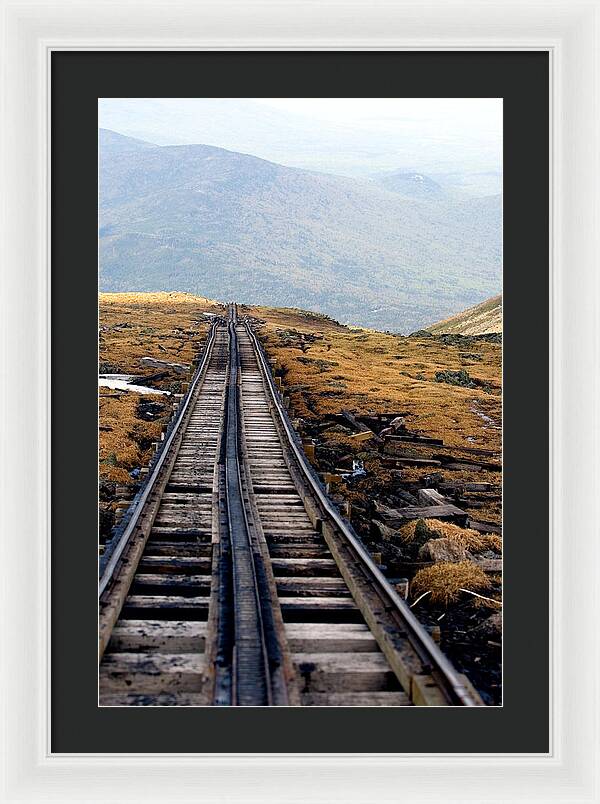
[[311, 567], [330, 638], [332, 672], [167, 584], [158, 636], [355, 699], [158, 699], [152, 672], [321, 586], [175, 564], [165, 607], [178, 549]]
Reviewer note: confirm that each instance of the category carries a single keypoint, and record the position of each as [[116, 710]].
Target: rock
[[106, 490], [491, 627], [108, 368], [460, 377], [387, 534], [443, 550], [106, 520], [336, 428]]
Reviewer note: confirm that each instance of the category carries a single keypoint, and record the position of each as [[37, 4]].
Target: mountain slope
[[200, 219], [479, 320]]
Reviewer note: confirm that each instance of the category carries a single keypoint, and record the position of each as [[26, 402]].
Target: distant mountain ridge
[[226, 225], [483, 319], [411, 185]]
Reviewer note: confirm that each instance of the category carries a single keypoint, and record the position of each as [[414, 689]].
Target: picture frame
[[569, 32]]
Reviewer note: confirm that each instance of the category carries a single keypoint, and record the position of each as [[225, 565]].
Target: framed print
[[298, 317]]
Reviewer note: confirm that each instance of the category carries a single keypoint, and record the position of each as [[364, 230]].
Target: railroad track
[[234, 580]]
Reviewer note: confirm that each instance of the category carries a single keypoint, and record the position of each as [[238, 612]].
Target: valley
[[393, 253]]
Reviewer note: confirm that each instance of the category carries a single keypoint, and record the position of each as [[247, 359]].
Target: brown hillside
[[482, 319]]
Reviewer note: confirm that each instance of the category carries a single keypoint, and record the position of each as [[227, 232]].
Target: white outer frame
[[570, 31]]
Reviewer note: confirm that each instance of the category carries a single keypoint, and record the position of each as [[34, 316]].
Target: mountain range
[[228, 225], [403, 134]]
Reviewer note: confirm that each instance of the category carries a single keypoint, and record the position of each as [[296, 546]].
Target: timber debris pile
[[430, 514]]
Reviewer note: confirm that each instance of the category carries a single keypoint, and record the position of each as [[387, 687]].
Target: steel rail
[[419, 638], [251, 668], [141, 502], [256, 658]]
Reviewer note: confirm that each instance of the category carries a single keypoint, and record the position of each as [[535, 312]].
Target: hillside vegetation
[[479, 320], [445, 387], [325, 366], [199, 218], [165, 326], [369, 371]]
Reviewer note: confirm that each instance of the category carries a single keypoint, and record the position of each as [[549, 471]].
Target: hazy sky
[[473, 116], [354, 136]]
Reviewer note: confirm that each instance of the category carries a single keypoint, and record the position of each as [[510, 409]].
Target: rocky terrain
[[153, 338], [405, 432]]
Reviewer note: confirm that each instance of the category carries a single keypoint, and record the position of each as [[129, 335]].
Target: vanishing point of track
[[233, 580]]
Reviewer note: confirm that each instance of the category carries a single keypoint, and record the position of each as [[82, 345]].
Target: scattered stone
[[387, 534], [149, 410], [491, 627], [421, 333], [106, 520], [460, 377], [443, 550]]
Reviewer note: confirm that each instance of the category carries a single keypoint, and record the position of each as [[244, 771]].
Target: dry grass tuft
[[467, 538], [408, 532], [444, 581], [493, 542]]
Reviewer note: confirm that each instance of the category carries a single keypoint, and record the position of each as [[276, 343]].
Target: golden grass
[[444, 581], [372, 372], [386, 373], [466, 537], [122, 434], [346, 367], [166, 326], [437, 529], [493, 542], [408, 532]]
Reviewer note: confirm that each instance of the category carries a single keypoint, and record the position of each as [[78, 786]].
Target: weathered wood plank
[[330, 638], [165, 636], [332, 672], [175, 564], [489, 564], [318, 587], [396, 517], [158, 699], [355, 699], [152, 672], [304, 566], [484, 527]]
